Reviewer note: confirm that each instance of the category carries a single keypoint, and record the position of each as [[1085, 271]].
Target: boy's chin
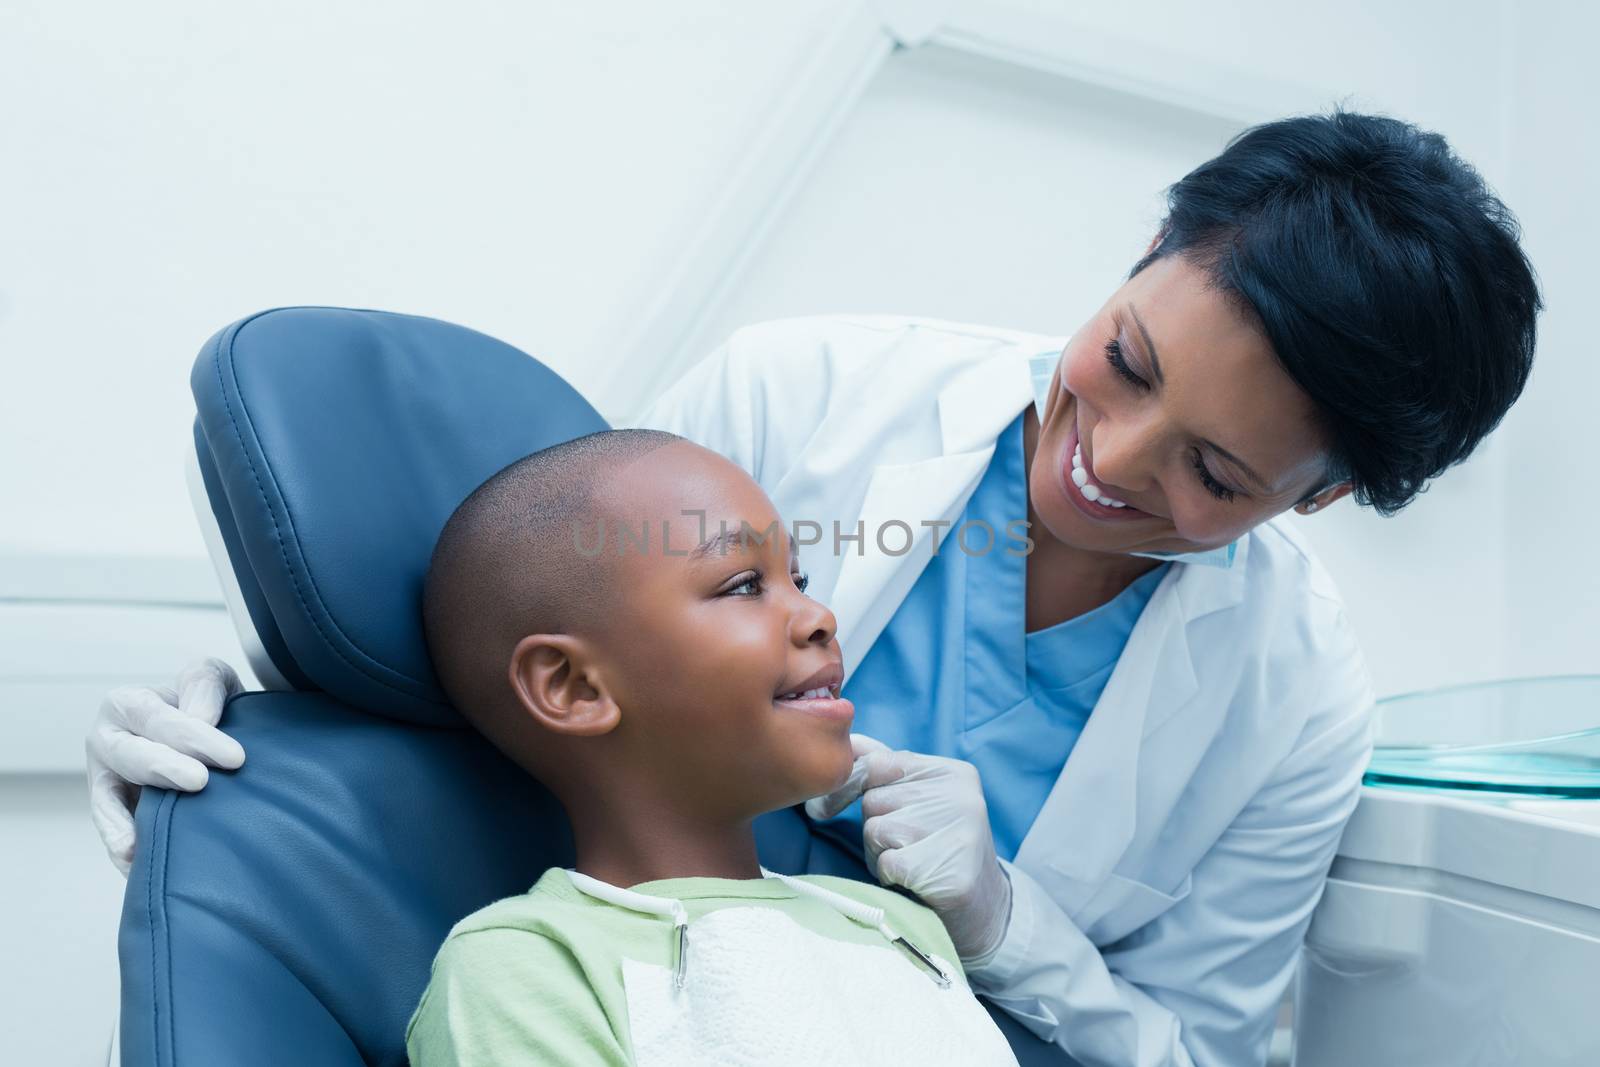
[[815, 769], [826, 770]]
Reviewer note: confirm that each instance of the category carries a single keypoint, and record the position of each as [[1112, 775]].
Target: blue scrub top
[[954, 673]]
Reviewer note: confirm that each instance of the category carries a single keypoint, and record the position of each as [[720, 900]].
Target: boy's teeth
[[809, 694], [1090, 491]]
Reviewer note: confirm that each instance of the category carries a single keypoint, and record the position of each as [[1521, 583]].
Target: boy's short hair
[[1386, 276], [507, 564]]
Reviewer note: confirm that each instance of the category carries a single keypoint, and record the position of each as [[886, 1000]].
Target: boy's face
[[711, 639]]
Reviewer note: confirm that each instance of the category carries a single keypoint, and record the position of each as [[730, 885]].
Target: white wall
[[535, 171], [521, 168], [1553, 513], [61, 898]]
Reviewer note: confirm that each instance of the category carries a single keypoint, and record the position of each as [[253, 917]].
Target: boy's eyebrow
[[720, 543]]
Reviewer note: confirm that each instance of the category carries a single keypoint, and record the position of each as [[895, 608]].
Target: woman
[[1118, 764]]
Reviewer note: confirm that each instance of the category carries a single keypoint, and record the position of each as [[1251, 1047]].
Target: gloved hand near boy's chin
[[926, 827]]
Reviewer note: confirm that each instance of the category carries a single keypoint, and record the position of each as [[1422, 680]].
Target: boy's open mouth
[[818, 694], [826, 692], [821, 685]]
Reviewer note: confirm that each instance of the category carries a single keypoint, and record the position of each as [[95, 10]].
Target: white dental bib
[[754, 988]]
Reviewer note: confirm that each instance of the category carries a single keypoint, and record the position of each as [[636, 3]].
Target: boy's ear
[[556, 682]]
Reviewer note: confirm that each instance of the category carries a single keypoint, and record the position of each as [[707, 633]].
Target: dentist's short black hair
[[1387, 277]]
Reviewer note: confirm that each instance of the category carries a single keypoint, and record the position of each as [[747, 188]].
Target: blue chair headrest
[[334, 444]]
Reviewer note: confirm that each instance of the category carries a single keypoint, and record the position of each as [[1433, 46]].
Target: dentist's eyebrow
[[1149, 345], [1261, 484]]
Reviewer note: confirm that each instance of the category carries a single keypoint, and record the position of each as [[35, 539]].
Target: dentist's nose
[[1123, 453]]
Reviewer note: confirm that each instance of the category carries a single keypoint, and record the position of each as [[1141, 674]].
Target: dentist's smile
[[1078, 485]]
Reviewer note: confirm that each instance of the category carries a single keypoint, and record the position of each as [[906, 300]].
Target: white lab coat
[[1161, 897]]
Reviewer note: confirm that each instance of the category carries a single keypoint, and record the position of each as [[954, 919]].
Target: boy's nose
[[813, 623]]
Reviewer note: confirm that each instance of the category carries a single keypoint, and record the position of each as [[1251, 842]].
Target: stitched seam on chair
[[155, 996], [166, 925], [278, 536], [152, 907]]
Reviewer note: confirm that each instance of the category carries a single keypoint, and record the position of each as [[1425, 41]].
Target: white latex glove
[[156, 736], [926, 827]]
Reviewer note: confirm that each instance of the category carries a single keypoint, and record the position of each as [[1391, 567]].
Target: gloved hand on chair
[[926, 827], [157, 736]]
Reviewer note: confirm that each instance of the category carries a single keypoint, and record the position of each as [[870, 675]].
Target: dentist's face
[[1175, 407], [726, 673]]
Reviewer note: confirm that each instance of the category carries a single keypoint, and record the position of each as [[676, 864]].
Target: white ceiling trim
[[796, 130], [155, 581]]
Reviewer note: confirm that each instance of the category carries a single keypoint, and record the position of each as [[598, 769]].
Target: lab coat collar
[[974, 407]]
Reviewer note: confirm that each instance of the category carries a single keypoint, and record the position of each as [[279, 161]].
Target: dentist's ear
[[557, 683], [1321, 500]]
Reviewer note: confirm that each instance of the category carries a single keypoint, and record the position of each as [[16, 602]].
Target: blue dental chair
[[289, 912]]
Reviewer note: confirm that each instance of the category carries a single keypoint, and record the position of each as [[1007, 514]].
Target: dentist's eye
[[1214, 487], [1120, 365]]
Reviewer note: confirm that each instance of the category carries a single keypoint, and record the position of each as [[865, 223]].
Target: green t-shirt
[[538, 978]]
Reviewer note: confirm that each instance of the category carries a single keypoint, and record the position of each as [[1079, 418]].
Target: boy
[[622, 615]]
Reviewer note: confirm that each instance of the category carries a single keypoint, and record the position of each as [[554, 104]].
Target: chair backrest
[[288, 913], [333, 444]]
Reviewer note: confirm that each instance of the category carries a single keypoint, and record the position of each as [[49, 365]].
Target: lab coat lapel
[[1091, 815], [974, 407]]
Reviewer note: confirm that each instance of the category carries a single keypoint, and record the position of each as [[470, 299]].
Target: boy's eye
[[753, 583]]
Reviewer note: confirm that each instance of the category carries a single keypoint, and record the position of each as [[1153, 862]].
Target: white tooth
[[1077, 459], [1091, 492], [1114, 503], [1079, 477]]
